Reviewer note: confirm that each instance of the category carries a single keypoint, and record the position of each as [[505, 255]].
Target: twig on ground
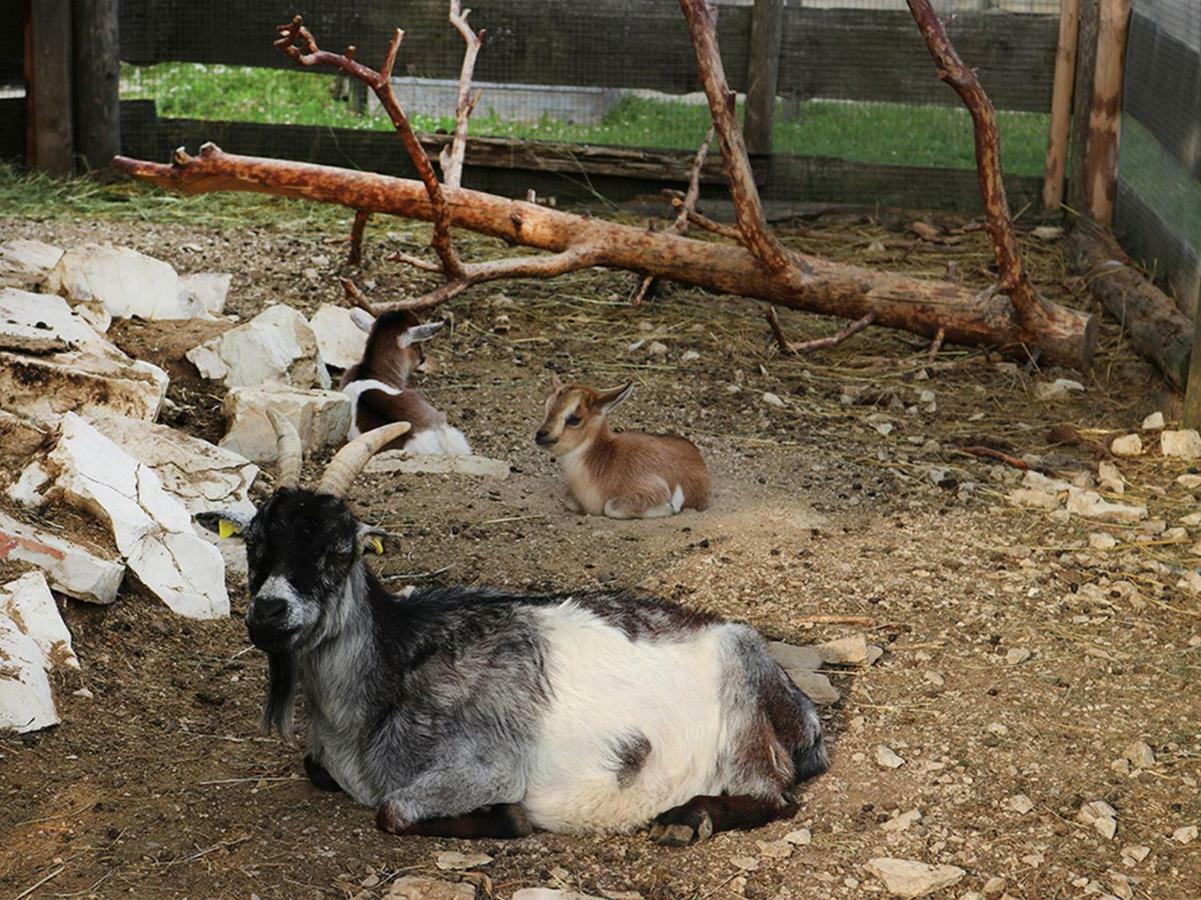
[[355, 256], [786, 346], [936, 345]]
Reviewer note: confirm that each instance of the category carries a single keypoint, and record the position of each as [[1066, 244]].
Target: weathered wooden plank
[[1165, 76], [764, 74], [1082, 96], [549, 42], [850, 54], [49, 88], [876, 55], [97, 76]]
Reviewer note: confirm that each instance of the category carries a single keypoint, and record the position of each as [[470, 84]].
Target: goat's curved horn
[[350, 460], [288, 450]]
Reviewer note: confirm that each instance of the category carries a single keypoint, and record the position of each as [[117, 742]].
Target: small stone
[[1184, 444], [773, 399], [1090, 505], [746, 863], [1110, 478], [993, 886], [884, 428], [1153, 422], [1189, 481], [1020, 804], [910, 878], [689, 356], [887, 758], [84, 693], [903, 821], [1127, 445], [1057, 389], [847, 651], [1017, 656], [419, 887], [775, 849], [1185, 835], [1102, 540], [997, 728], [453, 860], [1140, 755], [1135, 853], [801, 837], [1033, 498], [657, 348], [1101, 816]]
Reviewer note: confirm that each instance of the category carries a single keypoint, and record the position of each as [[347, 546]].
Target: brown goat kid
[[622, 475]]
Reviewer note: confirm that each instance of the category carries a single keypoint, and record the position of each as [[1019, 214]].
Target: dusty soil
[[162, 785]]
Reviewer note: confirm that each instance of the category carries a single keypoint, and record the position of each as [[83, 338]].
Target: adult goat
[[474, 712]]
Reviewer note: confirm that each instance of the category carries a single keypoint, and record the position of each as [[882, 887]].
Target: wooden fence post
[[1086, 64], [1192, 393], [1061, 104], [97, 83], [763, 72], [1105, 116], [48, 79]]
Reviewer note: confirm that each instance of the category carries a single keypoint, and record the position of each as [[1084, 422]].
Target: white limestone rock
[[1128, 445], [48, 317], [205, 292], [202, 476], [70, 569], [1184, 444], [275, 347], [46, 387], [437, 464], [801, 665], [126, 282], [26, 701], [152, 529], [27, 262], [1109, 477], [340, 340], [29, 603], [20, 436], [910, 878], [322, 418], [1091, 505], [1154, 422]]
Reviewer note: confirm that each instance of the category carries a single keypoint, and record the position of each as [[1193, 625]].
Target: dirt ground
[[1019, 660]]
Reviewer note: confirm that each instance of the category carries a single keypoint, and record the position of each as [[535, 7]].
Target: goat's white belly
[[605, 687]]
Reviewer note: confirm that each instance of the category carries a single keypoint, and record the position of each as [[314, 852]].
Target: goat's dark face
[[302, 548]]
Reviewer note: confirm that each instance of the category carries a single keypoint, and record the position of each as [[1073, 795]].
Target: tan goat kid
[[623, 475]]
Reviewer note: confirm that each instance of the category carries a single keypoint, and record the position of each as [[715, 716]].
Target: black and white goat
[[472, 712], [378, 386]]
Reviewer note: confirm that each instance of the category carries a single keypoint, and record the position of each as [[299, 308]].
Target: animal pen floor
[[162, 785]]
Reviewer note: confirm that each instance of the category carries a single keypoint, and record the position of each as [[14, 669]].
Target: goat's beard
[[281, 689]]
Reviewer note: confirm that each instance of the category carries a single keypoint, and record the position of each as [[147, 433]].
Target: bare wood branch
[[786, 346], [1064, 336], [702, 221], [381, 83], [356, 296], [702, 26], [452, 161], [936, 345], [355, 256], [415, 261]]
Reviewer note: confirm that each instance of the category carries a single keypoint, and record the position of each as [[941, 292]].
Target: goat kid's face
[[574, 415], [397, 341], [302, 547]]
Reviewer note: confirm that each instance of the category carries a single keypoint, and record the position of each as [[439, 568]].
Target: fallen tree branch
[[307, 53], [830, 288], [355, 256], [708, 224], [1032, 309], [795, 349], [452, 159]]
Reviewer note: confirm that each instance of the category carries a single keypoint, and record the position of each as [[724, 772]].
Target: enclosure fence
[[1159, 174]]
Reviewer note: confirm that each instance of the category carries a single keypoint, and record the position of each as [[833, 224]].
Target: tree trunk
[[1066, 337]]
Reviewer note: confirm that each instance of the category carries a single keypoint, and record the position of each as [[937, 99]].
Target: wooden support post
[[97, 83], [767, 28], [48, 80], [1192, 396], [1061, 104], [1105, 115], [1086, 64]]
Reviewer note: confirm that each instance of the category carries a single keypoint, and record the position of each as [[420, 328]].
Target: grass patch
[[1161, 181], [865, 132]]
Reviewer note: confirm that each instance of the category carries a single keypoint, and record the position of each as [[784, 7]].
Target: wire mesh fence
[[1158, 212], [856, 81]]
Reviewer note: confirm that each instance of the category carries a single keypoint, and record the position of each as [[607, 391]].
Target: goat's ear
[[419, 333], [371, 540], [556, 382], [226, 524], [363, 319], [610, 400]]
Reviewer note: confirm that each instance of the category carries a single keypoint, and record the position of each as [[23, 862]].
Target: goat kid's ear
[[419, 333], [225, 524], [610, 400], [371, 540], [363, 319]]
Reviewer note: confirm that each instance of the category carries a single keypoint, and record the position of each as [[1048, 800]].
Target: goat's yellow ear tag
[[377, 545], [226, 528]]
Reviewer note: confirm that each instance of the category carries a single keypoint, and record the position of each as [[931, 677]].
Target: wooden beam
[[1105, 114], [763, 74], [97, 83], [49, 88], [1061, 104], [1086, 65]]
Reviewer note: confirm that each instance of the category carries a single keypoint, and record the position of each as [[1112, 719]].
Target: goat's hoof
[[697, 828], [389, 819]]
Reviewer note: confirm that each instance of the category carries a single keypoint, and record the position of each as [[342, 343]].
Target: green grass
[[865, 132], [1161, 181]]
